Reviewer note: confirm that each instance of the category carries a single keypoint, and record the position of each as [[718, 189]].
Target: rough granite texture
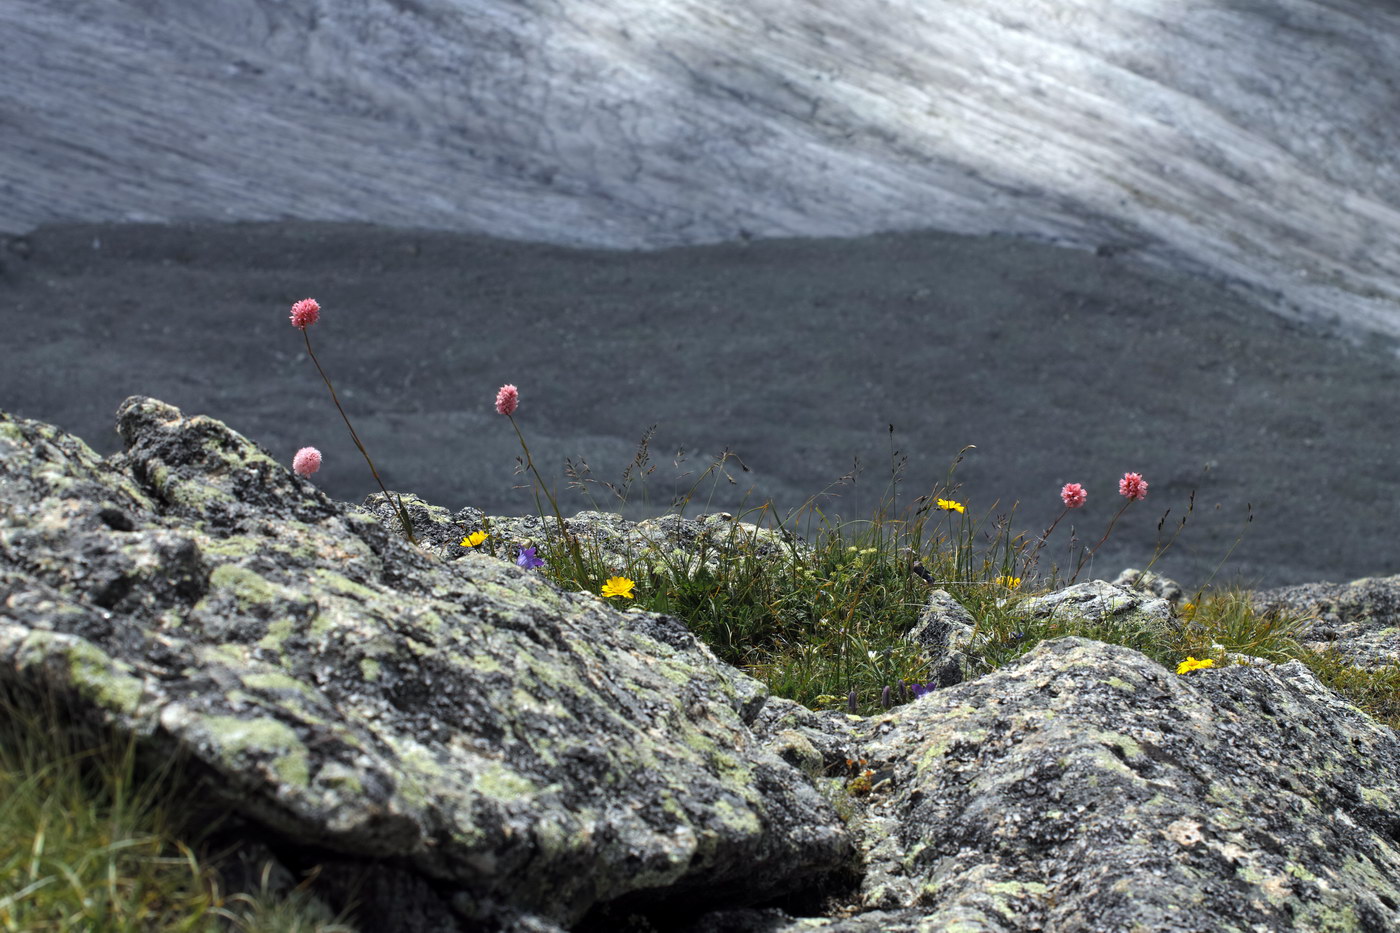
[[524, 748], [1361, 618], [459, 745], [1087, 788]]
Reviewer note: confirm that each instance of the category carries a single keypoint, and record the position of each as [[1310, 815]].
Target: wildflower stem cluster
[[305, 313], [825, 621]]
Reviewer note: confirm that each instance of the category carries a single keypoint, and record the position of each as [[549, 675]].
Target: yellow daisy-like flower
[[473, 539], [618, 586], [1191, 664], [948, 505], [1009, 582]]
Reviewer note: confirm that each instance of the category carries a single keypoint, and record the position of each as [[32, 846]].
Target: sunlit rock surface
[[1249, 140]]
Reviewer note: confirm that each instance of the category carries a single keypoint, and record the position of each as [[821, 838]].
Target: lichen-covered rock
[[945, 633], [1149, 582], [822, 741], [1361, 619], [668, 545], [1086, 788], [1106, 605], [520, 751]]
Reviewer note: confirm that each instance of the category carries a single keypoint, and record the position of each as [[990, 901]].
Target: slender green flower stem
[[1030, 562], [392, 500], [1107, 531], [540, 484]]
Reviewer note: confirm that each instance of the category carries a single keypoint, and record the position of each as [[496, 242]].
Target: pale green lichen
[[248, 589], [235, 546], [484, 664], [1298, 871], [340, 778], [237, 738], [1126, 744], [101, 679], [1018, 888], [278, 631], [1376, 798], [419, 770], [344, 586], [743, 822], [189, 494], [269, 680], [230, 655], [937, 750]]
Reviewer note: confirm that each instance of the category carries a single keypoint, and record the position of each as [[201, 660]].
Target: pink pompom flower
[[1073, 495], [305, 313], [307, 461], [1132, 486], [507, 400]]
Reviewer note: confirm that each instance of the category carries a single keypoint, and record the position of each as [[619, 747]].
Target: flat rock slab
[[525, 749]]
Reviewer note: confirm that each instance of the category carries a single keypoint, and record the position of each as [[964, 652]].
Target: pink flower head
[[1133, 486], [307, 461], [305, 312], [507, 399], [1073, 495]]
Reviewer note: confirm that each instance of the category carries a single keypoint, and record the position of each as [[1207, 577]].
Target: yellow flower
[[618, 586], [1188, 611], [473, 539], [1191, 664], [1009, 582], [948, 505]]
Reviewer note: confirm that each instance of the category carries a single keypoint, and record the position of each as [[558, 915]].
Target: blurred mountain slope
[[1249, 140]]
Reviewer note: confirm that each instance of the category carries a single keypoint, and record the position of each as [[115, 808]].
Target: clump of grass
[[89, 841], [1374, 691]]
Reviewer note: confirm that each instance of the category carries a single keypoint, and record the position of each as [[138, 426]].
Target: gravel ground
[[1058, 365]]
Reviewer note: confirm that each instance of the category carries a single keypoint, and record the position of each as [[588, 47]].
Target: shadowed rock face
[[1245, 139], [459, 745]]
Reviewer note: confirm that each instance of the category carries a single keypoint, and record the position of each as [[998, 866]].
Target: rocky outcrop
[[1361, 619], [519, 750], [1088, 788], [1252, 141], [460, 745]]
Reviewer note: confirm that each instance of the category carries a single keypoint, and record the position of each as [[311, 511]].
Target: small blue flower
[[528, 560]]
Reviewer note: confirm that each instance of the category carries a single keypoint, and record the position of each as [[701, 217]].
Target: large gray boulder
[[524, 751], [1086, 788], [1250, 140]]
